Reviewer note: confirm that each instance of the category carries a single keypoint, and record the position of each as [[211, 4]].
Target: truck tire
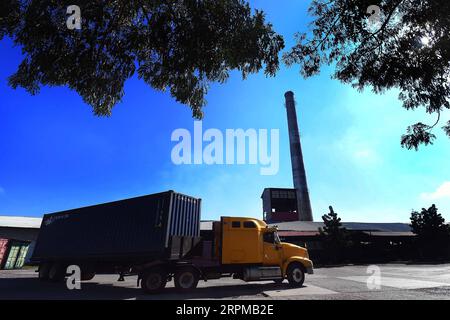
[[186, 278], [295, 274], [153, 280], [56, 272], [44, 269]]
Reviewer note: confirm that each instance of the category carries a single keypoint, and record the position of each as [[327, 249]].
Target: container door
[[184, 220]]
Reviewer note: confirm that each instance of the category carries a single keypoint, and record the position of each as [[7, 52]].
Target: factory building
[[290, 210], [279, 205], [371, 242], [17, 238]]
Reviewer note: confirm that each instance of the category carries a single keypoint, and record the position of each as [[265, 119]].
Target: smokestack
[[298, 168]]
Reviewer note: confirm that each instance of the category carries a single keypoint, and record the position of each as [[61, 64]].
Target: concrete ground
[[396, 281]]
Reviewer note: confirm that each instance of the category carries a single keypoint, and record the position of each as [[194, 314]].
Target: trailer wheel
[[56, 272], [295, 274], [44, 269], [186, 278], [154, 280]]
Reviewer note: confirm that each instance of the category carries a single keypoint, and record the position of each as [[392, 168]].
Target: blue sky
[[55, 154]]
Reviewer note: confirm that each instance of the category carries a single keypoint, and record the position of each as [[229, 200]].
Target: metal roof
[[310, 226], [388, 234], [355, 226], [270, 189], [298, 233], [20, 222]]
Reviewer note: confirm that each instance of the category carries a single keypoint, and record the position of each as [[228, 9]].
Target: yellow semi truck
[[242, 248], [157, 237]]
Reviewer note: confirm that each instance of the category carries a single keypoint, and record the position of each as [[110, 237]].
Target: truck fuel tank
[[261, 273]]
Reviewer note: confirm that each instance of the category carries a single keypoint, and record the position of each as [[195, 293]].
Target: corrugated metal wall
[[136, 227], [185, 216]]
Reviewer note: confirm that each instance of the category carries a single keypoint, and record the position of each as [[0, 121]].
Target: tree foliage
[[408, 49], [334, 236], [429, 225], [179, 45], [333, 228], [433, 234]]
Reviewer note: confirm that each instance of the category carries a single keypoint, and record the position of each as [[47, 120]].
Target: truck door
[[272, 251]]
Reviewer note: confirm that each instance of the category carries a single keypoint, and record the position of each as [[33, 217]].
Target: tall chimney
[[298, 168]]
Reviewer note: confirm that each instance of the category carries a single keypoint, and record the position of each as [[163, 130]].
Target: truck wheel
[[153, 280], [44, 269], [295, 274], [186, 278], [56, 272]]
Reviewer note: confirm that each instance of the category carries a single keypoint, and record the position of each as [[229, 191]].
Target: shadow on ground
[[32, 288]]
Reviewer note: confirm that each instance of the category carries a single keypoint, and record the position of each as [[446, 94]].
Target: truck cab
[[255, 246]]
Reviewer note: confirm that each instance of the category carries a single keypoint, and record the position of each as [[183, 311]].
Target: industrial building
[[290, 209], [371, 242], [279, 205], [17, 238], [280, 209]]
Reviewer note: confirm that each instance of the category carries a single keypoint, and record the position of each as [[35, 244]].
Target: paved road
[[397, 281]]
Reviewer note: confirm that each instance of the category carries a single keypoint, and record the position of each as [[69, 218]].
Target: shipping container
[[162, 225], [3, 251]]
